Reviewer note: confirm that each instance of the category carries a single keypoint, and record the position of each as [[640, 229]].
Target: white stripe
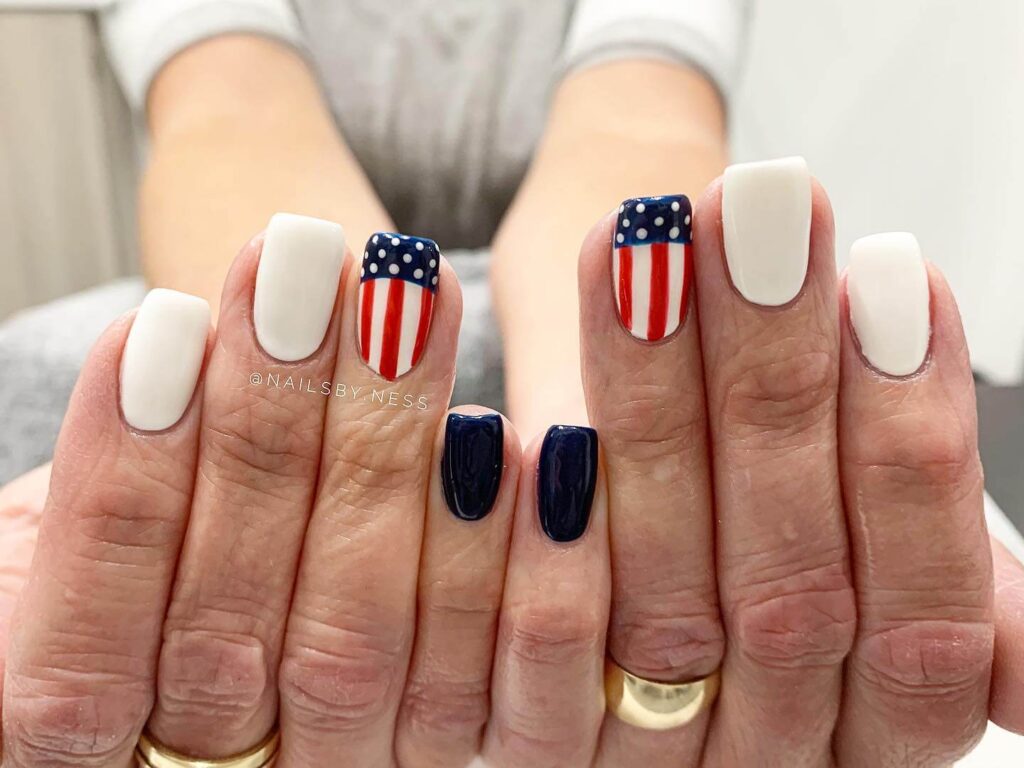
[[410, 324], [380, 308], [676, 265], [616, 259], [641, 289]]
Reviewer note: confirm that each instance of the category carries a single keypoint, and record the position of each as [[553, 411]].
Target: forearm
[[227, 151], [616, 131]]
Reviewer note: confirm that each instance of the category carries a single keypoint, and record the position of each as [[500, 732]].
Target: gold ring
[[656, 706], [152, 754]]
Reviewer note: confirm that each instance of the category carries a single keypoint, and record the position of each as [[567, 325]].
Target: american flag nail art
[[397, 288], [652, 264]]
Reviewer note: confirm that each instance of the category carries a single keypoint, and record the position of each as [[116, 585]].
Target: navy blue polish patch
[[647, 220], [471, 467], [566, 478], [415, 260]]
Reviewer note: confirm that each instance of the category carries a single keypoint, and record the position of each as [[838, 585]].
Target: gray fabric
[[42, 350]]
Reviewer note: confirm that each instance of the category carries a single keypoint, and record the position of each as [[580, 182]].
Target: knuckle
[[654, 422], [929, 659], [668, 647], [553, 635], [915, 453], [781, 390], [260, 437], [63, 722], [448, 707], [347, 686], [804, 620], [211, 675]]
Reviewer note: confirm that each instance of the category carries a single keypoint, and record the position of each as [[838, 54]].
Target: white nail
[[297, 284], [162, 358], [889, 301], [766, 222]]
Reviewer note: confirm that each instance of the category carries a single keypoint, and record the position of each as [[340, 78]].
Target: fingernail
[[297, 284], [474, 453], [887, 285], [398, 284], [766, 223], [162, 358], [652, 264], [566, 476]]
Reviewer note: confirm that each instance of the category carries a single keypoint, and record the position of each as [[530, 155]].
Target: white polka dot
[[380, 253], [366, 255], [659, 221], [675, 205], [687, 219], [641, 233], [433, 263], [395, 241], [419, 246], [417, 273], [674, 232], [362, 272], [393, 269], [625, 222], [434, 280], [407, 258], [640, 207], [622, 208], [373, 267], [619, 238], [374, 239], [404, 237]]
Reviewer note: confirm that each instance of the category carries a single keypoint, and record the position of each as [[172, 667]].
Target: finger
[[83, 652], [462, 573], [258, 462], [917, 681], [350, 631], [647, 402], [547, 690], [766, 290], [1006, 708]]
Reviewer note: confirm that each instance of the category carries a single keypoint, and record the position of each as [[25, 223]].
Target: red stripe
[[626, 285], [426, 307], [366, 319], [687, 278], [392, 329], [657, 315]]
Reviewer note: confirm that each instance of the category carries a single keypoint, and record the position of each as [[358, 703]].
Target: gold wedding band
[[656, 706], [152, 754]]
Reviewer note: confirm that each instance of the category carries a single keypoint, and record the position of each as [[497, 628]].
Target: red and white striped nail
[[397, 288], [652, 264]]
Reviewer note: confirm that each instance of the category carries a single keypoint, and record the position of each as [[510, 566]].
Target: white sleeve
[[142, 35], [706, 34]]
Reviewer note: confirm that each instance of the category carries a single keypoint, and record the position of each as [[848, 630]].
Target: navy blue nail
[[474, 452], [566, 476]]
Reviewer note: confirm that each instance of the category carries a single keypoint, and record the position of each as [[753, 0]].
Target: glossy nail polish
[[766, 225], [162, 358], [474, 452], [397, 287], [652, 264], [887, 284], [297, 284], [566, 477]]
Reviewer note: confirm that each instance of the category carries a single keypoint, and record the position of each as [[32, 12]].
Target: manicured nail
[[474, 453], [297, 284], [887, 285], [566, 476], [398, 283], [162, 358], [652, 264], [766, 222]]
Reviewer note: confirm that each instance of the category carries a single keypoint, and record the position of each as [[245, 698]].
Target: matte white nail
[[766, 222], [162, 358], [297, 284], [887, 284]]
